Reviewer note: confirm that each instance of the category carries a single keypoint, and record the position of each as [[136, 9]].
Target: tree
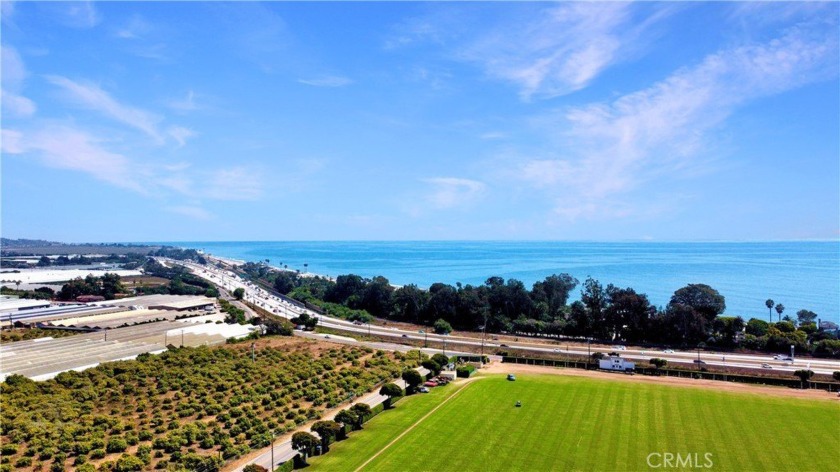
[[805, 316], [702, 298], [413, 379], [804, 375], [392, 391], [442, 327], [303, 443], [44, 261], [328, 431], [254, 468], [239, 293], [362, 412], [779, 309], [441, 360], [757, 327], [432, 366], [554, 293], [770, 304], [658, 363], [347, 418]]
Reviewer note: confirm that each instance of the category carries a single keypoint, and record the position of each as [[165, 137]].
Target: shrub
[[465, 371], [116, 444]]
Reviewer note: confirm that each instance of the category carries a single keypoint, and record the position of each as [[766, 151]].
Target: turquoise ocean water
[[797, 274]]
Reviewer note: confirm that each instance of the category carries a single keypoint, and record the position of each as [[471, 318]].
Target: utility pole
[[253, 353], [182, 338], [272, 450]]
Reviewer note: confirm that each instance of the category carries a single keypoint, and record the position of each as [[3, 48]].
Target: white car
[[766, 366], [668, 351], [619, 348], [423, 390]]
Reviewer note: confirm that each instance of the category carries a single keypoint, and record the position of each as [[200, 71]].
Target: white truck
[[617, 364]]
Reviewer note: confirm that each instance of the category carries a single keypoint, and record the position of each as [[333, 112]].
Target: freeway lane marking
[[467, 384]]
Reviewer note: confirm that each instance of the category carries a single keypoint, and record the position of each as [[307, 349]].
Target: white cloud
[[14, 72], [609, 149], [451, 192], [237, 183], [67, 148], [561, 49], [74, 14], [327, 81], [185, 104], [136, 28], [16, 105], [180, 134], [94, 98], [194, 212]]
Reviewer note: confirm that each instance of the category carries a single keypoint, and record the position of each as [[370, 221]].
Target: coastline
[[801, 274]]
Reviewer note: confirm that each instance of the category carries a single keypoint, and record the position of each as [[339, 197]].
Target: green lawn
[[572, 423]]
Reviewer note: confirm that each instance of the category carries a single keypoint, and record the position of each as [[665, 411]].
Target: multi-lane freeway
[[262, 298]]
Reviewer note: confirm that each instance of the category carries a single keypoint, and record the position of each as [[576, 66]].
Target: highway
[[266, 300]]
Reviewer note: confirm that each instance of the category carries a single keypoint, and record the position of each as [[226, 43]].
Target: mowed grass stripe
[[573, 423]]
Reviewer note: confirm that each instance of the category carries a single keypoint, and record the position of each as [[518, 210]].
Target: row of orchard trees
[[692, 316], [345, 421]]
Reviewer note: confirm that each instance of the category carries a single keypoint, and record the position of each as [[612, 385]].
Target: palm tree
[[779, 309], [770, 304], [305, 267]]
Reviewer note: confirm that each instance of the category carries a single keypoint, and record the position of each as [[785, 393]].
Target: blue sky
[[330, 121]]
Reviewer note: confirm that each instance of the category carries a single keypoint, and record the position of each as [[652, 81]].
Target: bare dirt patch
[[764, 390]]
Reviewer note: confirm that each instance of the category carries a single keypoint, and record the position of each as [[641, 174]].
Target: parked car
[[423, 390], [511, 377]]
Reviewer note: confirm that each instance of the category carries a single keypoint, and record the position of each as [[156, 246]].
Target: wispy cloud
[[180, 134], [74, 14], [94, 98], [136, 28], [561, 49], [659, 131], [236, 183], [194, 212], [451, 192], [67, 148], [327, 81], [185, 104], [13, 76]]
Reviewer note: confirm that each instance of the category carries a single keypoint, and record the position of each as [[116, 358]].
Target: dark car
[[503, 345], [699, 361]]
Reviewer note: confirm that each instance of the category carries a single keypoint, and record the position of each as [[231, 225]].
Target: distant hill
[[42, 247]]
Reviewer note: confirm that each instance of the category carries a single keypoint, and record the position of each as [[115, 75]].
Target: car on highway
[[556, 350], [405, 335], [766, 366], [699, 361], [422, 332], [668, 351], [503, 345]]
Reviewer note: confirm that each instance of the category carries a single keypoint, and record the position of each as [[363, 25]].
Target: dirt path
[[408, 430], [765, 390]]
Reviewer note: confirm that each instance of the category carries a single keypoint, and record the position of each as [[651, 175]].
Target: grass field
[[572, 423]]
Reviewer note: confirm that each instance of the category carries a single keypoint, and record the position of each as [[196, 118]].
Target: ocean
[[800, 275]]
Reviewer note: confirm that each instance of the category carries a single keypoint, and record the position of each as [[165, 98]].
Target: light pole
[[272, 450], [791, 352], [182, 338]]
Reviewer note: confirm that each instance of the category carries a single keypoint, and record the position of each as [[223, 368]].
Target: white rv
[[616, 363]]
